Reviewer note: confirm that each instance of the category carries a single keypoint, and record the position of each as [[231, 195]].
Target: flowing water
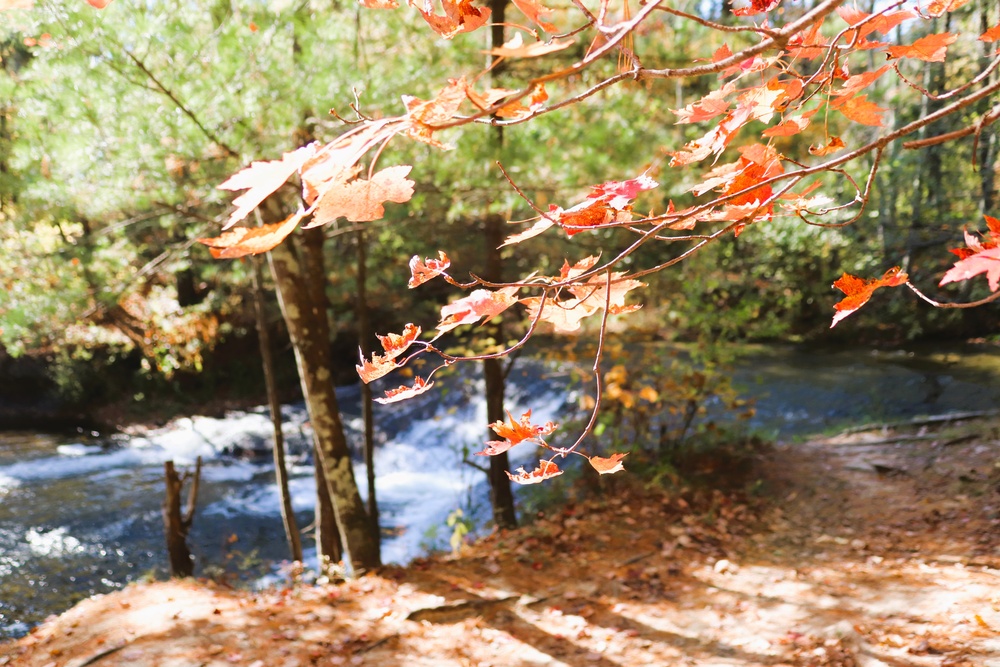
[[81, 515]]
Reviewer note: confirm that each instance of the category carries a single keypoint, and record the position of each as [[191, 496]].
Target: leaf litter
[[866, 549]]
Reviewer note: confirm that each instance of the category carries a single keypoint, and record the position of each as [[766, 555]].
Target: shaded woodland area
[[613, 178]]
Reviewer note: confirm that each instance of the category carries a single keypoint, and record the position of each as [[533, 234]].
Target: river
[[81, 515]]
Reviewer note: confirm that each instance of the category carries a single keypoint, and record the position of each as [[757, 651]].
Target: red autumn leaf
[[494, 447], [477, 306], [260, 179], [858, 291], [787, 127], [991, 35], [979, 257], [422, 271], [243, 241], [859, 82], [519, 431], [535, 12], [609, 465], [882, 23], [379, 4], [939, 7], [516, 48], [931, 48], [376, 368], [834, 145], [458, 17], [403, 392], [99, 4], [859, 109], [607, 203], [708, 107], [362, 200], [395, 344], [751, 7], [545, 470]]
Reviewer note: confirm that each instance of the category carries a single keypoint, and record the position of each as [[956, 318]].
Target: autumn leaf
[[834, 145], [859, 109], [243, 241], [458, 17], [609, 465], [859, 82], [395, 344], [545, 470], [931, 48], [519, 109], [378, 367], [403, 392], [379, 4], [882, 23], [858, 291], [422, 271], [99, 4], [495, 447], [519, 431], [787, 127], [991, 35], [535, 12], [480, 304], [939, 7], [423, 117], [362, 200], [516, 48], [979, 257], [751, 7], [607, 203], [261, 179]]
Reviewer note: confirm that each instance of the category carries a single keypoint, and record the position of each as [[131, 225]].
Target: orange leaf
[[858, 291], [515, 47], [395, 344], [859, 109], [859, 82], [99, 4], [494, 447], [835, 144], [376, 368], [751, 7], [882, 23], [379, 4], [260, 179], [545, 470], [787, 127], [251, 240], [425, 116], [458, 17], [421, 272], [535, 11], [522, 430], [991, 35], [609, 465], [519, 109], [931, 48], [478, 305], [403, 392], [939, 7], [362, 200]]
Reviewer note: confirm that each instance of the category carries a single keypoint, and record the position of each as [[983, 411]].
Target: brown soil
[[872, 549]]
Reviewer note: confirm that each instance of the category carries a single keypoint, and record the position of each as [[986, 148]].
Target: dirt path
[[875, 549]]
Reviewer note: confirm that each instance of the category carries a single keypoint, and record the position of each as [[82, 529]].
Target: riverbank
[[871, 548]]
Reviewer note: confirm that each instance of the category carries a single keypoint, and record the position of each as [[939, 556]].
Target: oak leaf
[[243, 241], [545, 470], [609, 465], [403, 392], [361, 200], [857, 290], [422, 271], [261, 179]]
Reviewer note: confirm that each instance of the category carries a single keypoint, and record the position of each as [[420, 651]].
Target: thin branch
[[944, 304]]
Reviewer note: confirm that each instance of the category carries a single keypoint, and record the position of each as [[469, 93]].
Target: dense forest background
[[117, 126]]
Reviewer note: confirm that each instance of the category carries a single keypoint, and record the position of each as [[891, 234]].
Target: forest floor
[[866, 549]]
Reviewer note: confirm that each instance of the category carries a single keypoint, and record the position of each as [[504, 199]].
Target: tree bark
[[280, 469], [365, 335], [308, 329], [175, 524], [501, 495], [329, 551]]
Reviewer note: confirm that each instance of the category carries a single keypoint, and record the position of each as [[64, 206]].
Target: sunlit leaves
[[607, 466], [991, 35], [460, 16], [393, 345], [931, 48], [403, 392], [421, 271], [518, 431], [481, 304], [858, 291], [361, 200], [978, 257], [536, 12], [243, 241], [545, 470], [859, 109], [261, 179]]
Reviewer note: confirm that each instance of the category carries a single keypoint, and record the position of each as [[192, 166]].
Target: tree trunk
[[501, 496], [365, 335], [328, 548], [308, 329], [175, 524], [280, 469]]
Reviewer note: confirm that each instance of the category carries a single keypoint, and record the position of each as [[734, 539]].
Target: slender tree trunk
[[280, 469], [308, 329], [365, 335], [175, 524], [328, 548], [501, 496]]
